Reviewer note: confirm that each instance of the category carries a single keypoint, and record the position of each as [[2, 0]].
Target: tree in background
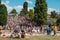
[[24, 11], [0, 1], [3, 14], [58, 22], [54, 14], [13, 11], [40, 12], [31, 13]]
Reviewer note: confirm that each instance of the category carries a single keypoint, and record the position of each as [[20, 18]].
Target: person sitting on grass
[[23, 34], [0, 30]]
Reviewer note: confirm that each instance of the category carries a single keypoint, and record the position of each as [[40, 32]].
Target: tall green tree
[[0, 1], [54, 14], [31, 13], [25, 6], [25, 9], [13, 11], [40, 12], [3, 14]]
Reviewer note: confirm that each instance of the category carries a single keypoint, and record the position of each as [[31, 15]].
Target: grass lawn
[[35, 38]]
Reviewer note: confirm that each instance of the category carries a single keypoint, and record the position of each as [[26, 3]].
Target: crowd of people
[[22, 31]]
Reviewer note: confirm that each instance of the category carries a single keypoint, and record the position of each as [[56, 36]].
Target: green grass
[[35, 38]]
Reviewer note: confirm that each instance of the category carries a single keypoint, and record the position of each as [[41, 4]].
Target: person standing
[[54, 29], [48, 30]]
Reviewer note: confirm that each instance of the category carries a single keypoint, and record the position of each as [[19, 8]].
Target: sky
[[18, 5]]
